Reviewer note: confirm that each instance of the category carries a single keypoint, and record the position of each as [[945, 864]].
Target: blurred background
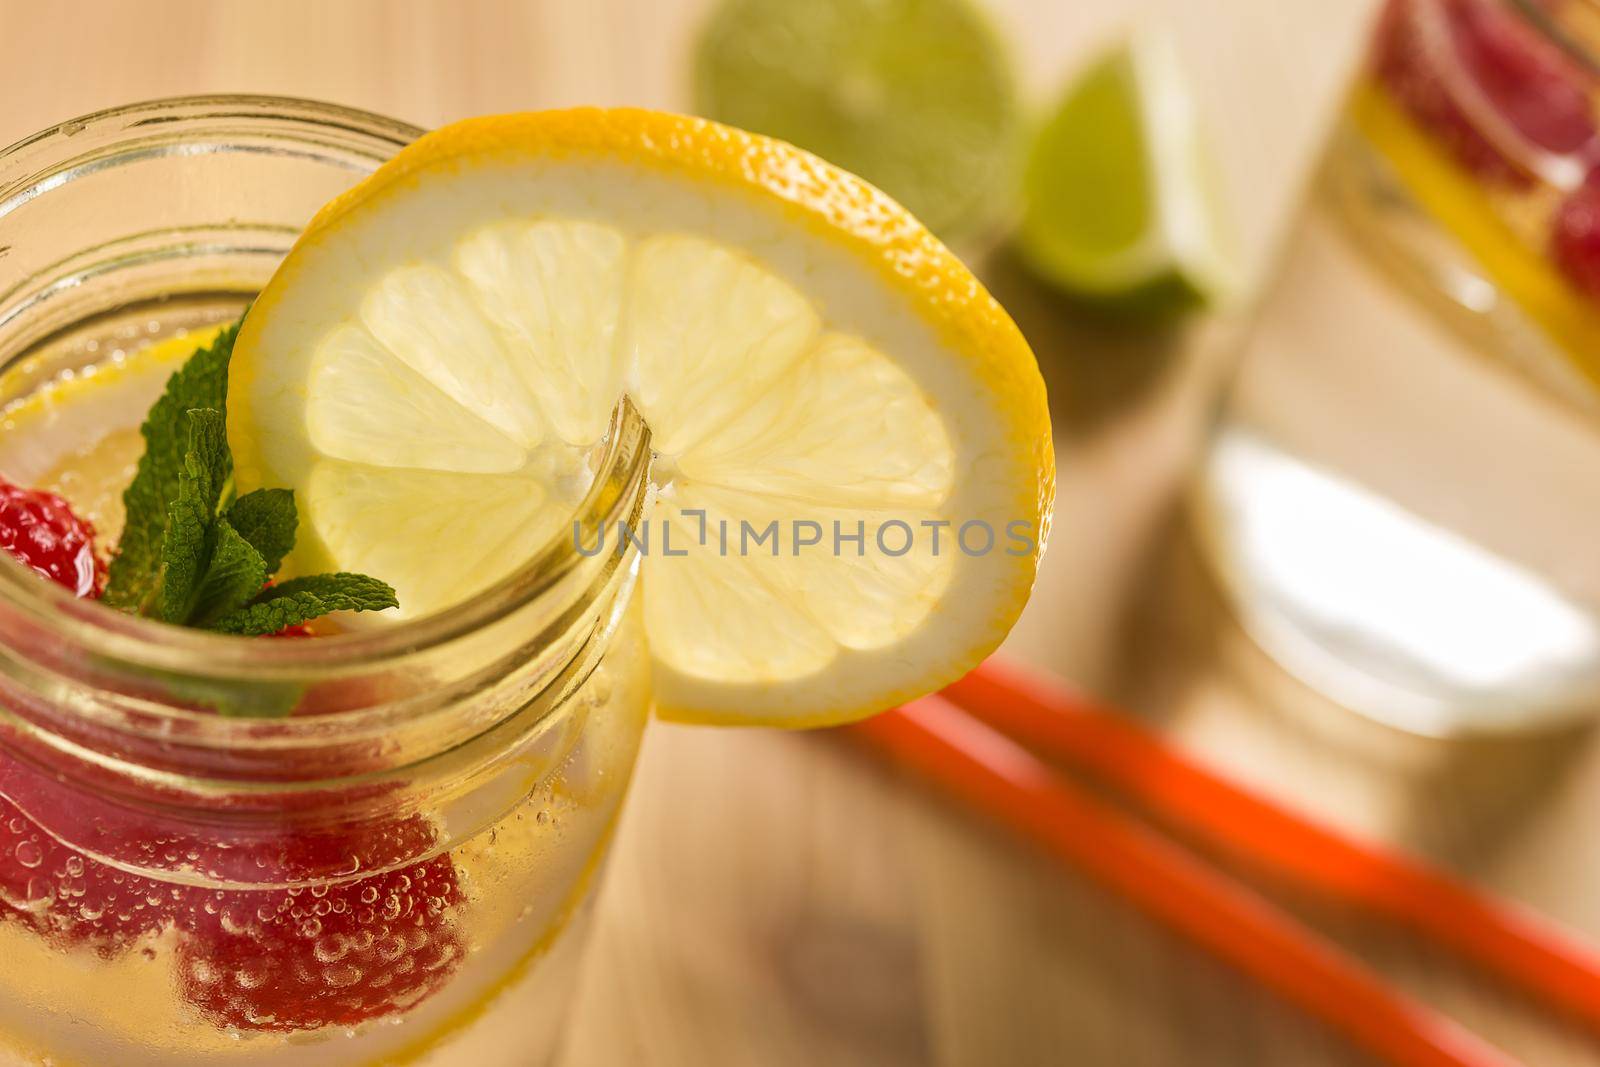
[[783, 899]]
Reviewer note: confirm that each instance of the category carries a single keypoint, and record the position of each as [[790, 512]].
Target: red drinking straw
[[999, 777]]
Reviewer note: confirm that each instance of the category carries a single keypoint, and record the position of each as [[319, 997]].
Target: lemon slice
[[437, 358]]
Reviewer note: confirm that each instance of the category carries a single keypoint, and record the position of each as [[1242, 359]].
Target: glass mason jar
[[1403, 490], [393, 871]]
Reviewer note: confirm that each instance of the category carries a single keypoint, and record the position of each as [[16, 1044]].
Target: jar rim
[[258, 105], [616, 492], [613, 497]]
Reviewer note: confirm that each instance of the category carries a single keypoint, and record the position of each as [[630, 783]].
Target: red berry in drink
[[250, 959], [299, 629], [1484, 82], [71, 900], [1575, 240], [40, 530], [302, 959], [1529, 79]]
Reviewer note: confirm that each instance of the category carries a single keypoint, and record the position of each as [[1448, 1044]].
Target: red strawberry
[[41, 531], [1448, 62], [301, 959]]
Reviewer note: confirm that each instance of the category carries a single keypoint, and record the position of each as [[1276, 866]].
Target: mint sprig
[[201, 383], [193, 555], [302, 599]]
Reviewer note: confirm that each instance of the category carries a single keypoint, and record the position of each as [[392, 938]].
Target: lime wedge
[[916, 96], [1117, 204]]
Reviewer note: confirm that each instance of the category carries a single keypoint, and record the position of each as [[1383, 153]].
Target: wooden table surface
[[778, 899]]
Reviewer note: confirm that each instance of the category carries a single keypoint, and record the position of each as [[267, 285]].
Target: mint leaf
[[234, 574], [254, 700], [207, 462], [303, 599], [267, 519], [268, 700], [189, 540], [202, 382], [192, 555]]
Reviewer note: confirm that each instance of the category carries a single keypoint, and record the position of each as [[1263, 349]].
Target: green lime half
[[916, 96], [1117, 205]]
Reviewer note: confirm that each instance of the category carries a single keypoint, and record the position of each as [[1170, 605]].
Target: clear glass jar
[[393, 872], [1403, 491]]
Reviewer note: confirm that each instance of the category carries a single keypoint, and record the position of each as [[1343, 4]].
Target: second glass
[[1403, 491]]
